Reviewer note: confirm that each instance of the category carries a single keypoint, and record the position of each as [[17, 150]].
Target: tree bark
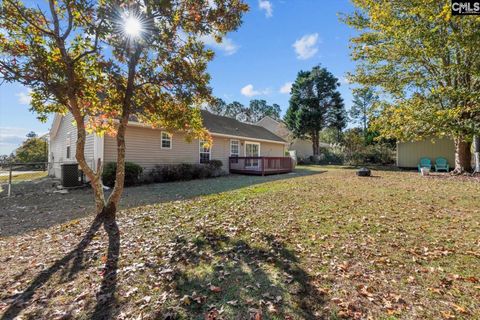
[[73, 107], [115, 196], [463, 156], [315, 144]]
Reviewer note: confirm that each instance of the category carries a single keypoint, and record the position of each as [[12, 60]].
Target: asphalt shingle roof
[[225, 125]]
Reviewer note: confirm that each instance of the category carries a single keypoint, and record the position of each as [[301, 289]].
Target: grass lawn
[[19, 176], [323, 245]]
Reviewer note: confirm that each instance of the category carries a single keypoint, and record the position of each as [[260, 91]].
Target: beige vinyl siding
[[409, 153], [303, 148], [143, 146], [274, 126], [58, 145]]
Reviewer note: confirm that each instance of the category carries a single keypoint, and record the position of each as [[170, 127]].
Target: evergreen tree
[[315, 104]]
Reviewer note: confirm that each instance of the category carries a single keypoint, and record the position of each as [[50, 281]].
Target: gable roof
[[215, 124], [232, 127]]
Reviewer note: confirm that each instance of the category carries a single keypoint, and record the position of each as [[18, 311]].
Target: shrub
[[186, 171], [333, 155], [132, 174], [215, 165]]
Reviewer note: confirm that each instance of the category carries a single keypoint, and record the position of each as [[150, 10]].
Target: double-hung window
[[234, 148], [166, 140], [205, 151], [67, 144]]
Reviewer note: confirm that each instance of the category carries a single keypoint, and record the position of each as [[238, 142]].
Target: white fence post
[[10, 181]]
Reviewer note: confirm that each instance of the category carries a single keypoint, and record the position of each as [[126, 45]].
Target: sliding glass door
[[252, 149]]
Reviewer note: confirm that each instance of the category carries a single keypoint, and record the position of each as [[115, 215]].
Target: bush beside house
[[134, 174], [185, 172]]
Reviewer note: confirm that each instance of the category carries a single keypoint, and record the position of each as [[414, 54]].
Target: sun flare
[[132, 26]]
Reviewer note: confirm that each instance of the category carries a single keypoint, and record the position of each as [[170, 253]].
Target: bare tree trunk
[[315, 144], [463, 156], [94, 177], [114, 199], [73, 106]]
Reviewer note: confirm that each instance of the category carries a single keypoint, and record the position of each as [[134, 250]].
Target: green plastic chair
[[424, 163], [441, 164]]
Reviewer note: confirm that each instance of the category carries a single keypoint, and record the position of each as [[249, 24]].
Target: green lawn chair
[[441, 164], [424, 163]]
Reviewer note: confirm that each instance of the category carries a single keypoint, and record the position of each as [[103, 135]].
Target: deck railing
[[260, 165]]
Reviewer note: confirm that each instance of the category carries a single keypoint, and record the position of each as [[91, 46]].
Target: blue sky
[[277, 39]]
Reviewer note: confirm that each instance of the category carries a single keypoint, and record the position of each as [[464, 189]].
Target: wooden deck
[[260, 165]]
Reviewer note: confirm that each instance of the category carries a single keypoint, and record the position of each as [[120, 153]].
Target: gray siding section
[[67, 130]]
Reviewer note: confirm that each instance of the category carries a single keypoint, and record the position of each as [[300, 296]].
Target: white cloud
[[249, 91], [11, 138], [267, 6], [24, 97], [286, 88], [307, 46], [227, 45]]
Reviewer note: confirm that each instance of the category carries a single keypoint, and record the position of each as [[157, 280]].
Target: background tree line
[[254, 112], [33, 149]]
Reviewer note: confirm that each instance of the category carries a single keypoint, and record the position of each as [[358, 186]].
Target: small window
[[234, 148], [204, 152], [166, 140], [67, 144]]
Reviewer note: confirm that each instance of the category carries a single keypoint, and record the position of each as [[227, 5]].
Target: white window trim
[[251, 142], [259, 153], [200, 151], [238, 141], [161, 140]]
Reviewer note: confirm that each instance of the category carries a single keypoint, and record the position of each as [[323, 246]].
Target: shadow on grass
[[164, 192], [46, 210], [373, 167], [231, 279], [70, 265]]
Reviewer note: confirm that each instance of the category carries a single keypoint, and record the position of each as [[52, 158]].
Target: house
[[303, 148], [149, 147], [409, 153]]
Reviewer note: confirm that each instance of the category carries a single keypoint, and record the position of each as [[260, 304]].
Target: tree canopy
[[362, 106], [426, 62], [315, 104], [254, 112], [33, 149], [106, 61]]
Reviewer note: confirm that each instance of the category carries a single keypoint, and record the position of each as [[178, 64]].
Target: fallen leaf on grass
[[215, 289], [447, 315], [213, 314], [271, 308], [233, 302]]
